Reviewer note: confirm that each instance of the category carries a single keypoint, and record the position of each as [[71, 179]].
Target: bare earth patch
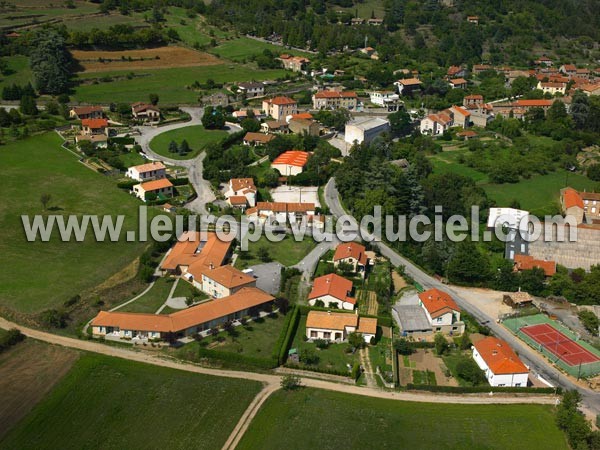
[[27, 373], [150, 58], [399, 281]]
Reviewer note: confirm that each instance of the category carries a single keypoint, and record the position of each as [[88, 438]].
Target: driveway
[[268, 276], [534, 360]]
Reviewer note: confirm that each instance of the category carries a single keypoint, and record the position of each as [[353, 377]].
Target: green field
[[446, 162], [113, 403], [308, 418], [540, 194], [243, 48], [39, 275], [197, 137], [288, 252], [171, 84], [153, 299], [18, 71]]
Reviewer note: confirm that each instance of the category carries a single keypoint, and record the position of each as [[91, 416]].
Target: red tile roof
[[149, 167], [572, 198], [437, 302], [336, 94], [197, 255], [499, 357], [282, 101], [456, 81], [409, 82], [334, 285], [229, 276], [94, 123], [245, 298], [156, 184], [302, 116], [351, 250], [292, 158], [534, 103], [258, 137], [83, 110], [527, 262]]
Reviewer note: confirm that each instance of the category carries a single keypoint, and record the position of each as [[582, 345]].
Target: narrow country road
[[272, 380], [193, 166], [536, 362]]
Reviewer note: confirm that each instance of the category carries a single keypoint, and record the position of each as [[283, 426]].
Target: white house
[[333, 291], [552, 87], [161, 187], [335, 326], [353, 254], [145, 111], [252, 89], [407, 86], [437, 124], [145, 172], [365, 129], [241, 192], [385, 99], [279, 107], [442, 311], [224, 281], [291, 162], [500, 363], [281, 212]]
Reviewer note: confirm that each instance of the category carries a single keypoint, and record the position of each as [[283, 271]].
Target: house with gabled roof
[[145, 111], [407, 86], [86, 112], [335, 99], [527, 262], [283, 213], [458, 83], [291, 162], [336, 326], [352, 254], [280, 107], [254, 139], [162, 188], [442, 311], [223, 281], [150, 171], [241, 193], [334, 291], [501, 365]]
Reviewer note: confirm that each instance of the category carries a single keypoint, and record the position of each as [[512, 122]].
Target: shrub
[[441, 344], [53, 318], [308, 356], [12, 337], [468, 370], [356, 372], [321, 344], [403, 347], [290, 382]]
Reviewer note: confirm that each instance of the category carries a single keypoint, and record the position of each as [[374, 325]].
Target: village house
[[365, 129], [97, 140], [442, 311], [386, 99], [149, 171], [304, 126], [336, 326], [583, 206], [408, 86], [86, 112], [456, 72], [294, 63], [143, 327], [552, 88], [279, 107], [254, 139], [480, 68], [241, 193], [91, 127], [145, 112], [544, 61], [526, 105], [335, 100], [474, 101], [458, 83], [219, 282], [252, 89], [333, 291], [375, 22], [284, 213], [473, 19], [290, 163], [568, 69], [162, 188], [242, 114], [275, 126], [369, 51], [353, 255], [438, 124], [527, 262], [500, 363], [591, 89]]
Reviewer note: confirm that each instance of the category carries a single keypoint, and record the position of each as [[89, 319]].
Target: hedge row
[[12, 337], [382, 321], [127, 184], [179, 181], [481, 389], [421, 344], [341, 373], [123, 140], [236, 358], [286, 336]]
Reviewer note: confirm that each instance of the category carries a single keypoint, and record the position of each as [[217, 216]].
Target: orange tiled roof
[[302, 116], [258, 137], [367, 325], [149, 167], [281, 101], [456, 81], [331, 320], [245, 298], [156, 184], [335, 94], [351, 250], [237, 200], [237, 184], [229, 276], [292, 158], [533, 103], [94, 123], [334, 285], [437, 302], [79, 110], [527, 262], [499, 357], [409, 81], [572, 198], [197, 255]]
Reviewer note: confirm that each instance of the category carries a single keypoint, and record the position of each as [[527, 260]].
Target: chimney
[[211, 266]]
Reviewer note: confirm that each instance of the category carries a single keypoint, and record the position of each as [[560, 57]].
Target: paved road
[[194, 166], [537, 363]]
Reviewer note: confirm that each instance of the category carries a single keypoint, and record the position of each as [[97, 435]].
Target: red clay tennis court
[[560, 345]]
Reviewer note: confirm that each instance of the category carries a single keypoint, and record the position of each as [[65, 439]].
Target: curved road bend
[[267, 379], [194, 166], [591, 399]]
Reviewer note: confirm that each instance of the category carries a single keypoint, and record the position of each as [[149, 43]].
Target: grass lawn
[[170, 84], [132, 159], [334, 357], [446, 162], [18, 71], [288, 252], [153, 299], [540, 194], [452, 360], [197, 137], [185, 289], [244, 48], [108, 402], [308, 417], [39, 274], [425, 377]]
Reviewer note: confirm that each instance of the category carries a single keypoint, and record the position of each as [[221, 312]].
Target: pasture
[[149, 58], [108, 402], [305, 419], [197, 137], [40, 275], [243, 49]]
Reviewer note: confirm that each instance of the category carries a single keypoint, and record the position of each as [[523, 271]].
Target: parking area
[[296, 194]]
